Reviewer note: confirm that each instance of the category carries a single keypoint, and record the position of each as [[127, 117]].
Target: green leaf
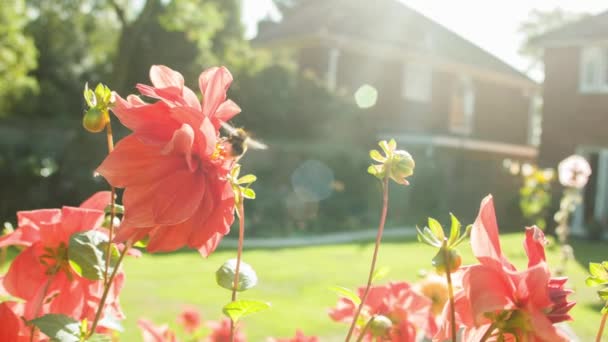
[[454, 230], [463, 236], [384, 146], [87, 254], [58, 327], [597, 270], [248, 193], [436, 228], [605, 309], [593, 281], [422, 237], [89, 96], [347, 293], [241, 308], [392, 144], [603, 293], [140, 244], [431, 237], [247, 179], [380, 273], [375, 155]]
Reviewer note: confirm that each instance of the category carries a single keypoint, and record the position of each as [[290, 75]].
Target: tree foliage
[[17, 55], [538, 23]]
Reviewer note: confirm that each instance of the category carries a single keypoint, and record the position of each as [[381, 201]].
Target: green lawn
[[296, 282]]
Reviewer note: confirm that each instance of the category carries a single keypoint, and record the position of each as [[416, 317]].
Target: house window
[[594, 69], [536, 120], [462, 106], [417, 82]]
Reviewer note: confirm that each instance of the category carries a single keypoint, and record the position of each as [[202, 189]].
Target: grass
[[296, 282]]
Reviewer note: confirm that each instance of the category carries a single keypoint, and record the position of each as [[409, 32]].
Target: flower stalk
[[110, 141], [239, 253], [374, 258], [106, 289], [448, 276], [600, 331], [488, 332], [366, 328], [39, 306]]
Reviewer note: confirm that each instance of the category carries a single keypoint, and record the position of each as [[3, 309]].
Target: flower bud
[[439, 262], [401, 166], [380, 326], [224, 276], [95, 120], [394, 164]]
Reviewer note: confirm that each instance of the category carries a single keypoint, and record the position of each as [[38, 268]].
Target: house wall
[[501, 112], [570, 118]]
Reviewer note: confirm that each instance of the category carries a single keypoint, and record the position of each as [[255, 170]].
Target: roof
[[587, 29], [387, 22]]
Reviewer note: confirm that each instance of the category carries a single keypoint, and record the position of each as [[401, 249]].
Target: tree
[[538, 23], [17, 55]]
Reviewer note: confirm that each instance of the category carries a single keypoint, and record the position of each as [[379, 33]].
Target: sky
[[491, 24]]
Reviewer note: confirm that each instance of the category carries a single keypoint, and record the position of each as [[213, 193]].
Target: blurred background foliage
[[49, 49]]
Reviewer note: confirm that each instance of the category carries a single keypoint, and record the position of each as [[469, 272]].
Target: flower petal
[[25, 275], [165, 77], [535, 245], [210, 245], [177, 197], [135, 163], [488, 290], [98, 201], [227, 110], [531, 287], [152, 123], [9, 329], [544, 330], [181, 145], [214, 83], [484, 237]]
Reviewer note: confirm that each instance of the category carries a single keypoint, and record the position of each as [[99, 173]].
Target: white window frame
[[468, 105], [593, 61], [417, 82], [332, 68], [535, 116]]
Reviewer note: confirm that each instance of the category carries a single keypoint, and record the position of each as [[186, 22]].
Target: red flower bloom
[[522, 304], [409, 311], [172, 166], [153, 333], [190, 319], [220, 332], [300, 337], [41, 273], [12, 327]]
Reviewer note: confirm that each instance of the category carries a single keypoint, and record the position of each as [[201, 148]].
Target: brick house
[[437, 92], [575, 108]]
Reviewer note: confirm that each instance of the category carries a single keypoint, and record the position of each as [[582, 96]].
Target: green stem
[[374, 258], [446, 256], [3, 252], [366, 328], [488, 332], [39, 306], [239, 252], [600, 332], [106, 289], [110, 141]]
